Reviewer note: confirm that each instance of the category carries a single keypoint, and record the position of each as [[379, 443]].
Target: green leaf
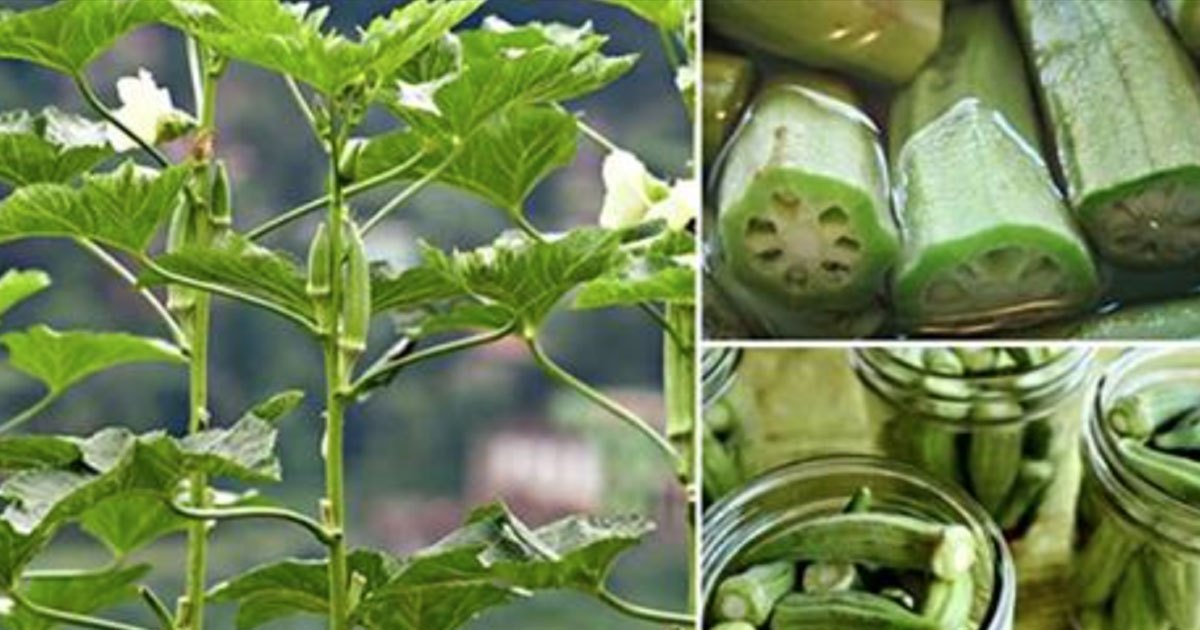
[[70, 34], [525, 277], [273, 409], [49, 147], [26, 452], [666, 14], [62, 359], [115, 462], [288, 39], [82, 594], [662, 272], [455, 88], [294, 587], [123, 208], [502, 163], [489, 562], [239, 265], [16, 286], [128, 522]]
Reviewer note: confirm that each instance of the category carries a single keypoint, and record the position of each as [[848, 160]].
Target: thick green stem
[[617, 409], [196, 583], [29, 413], [679, 390], [334, 506]]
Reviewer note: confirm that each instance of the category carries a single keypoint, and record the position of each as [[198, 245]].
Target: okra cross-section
[[1123, 101], [987, 241], [803, 214]]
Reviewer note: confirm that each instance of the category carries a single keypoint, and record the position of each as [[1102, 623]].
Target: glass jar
[[1137, 563], [778, 501], [718, 457], [1009, 438]]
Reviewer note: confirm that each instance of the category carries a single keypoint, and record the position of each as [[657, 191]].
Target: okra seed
[[758, 225], [770, 255], [848, 244], [786, 199], [834, 215], [797, 275]]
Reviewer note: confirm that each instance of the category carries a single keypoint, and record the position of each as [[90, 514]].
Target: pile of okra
[[960, 414], [860, 568], [952, 167], [1126, 579]]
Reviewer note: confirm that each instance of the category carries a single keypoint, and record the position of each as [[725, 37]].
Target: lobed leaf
[[16, 286], [123, 208], [662, 272], [62, 359], [81, 594], [239, 265], [68, 35], [33, 452], [125, 523], [49, 147], [502, 163], [525, 277], [290, 39]]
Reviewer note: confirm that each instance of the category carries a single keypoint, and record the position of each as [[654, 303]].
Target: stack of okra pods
[[860, 568], [882, 168]]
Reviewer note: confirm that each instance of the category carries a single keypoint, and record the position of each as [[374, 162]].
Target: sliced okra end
[[1155, 227]]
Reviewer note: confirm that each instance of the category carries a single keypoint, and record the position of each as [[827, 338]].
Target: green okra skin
[[889, 540], [1176, 581], [728, 80], [1174, 319], [1030, 485], [977, 360], [1121, 98], [1103, 560], [1093, 618], [851, 609], [993, 463], [1135, 605], [1184, 16], [181, 232], [751, 595], [733, 625], [1183, 436], [943, 362], [823, 577], [986, 240], [935, 449], [1140, 415], [879, 41], [1175, 475], [949, 602], [721, 473], [803, 219]]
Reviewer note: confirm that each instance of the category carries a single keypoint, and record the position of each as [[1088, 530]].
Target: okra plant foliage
[[479, 109]]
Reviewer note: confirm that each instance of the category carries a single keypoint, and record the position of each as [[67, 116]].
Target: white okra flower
[[147, 111], [630, 191]]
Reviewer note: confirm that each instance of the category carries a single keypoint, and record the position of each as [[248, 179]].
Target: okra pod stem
[[1175, 475], [949, 602], [751, 595], [1139, 415], [890, 540]]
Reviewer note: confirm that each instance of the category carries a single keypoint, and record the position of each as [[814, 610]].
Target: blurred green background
[[453, 433]]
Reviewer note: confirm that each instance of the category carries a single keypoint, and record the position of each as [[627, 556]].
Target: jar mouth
[[1137, 498], [1039, 389], [740, 521]]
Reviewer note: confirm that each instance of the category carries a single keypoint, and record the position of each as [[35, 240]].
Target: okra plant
[[480, 109]]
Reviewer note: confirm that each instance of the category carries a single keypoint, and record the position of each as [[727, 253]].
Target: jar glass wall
[[782, 501]]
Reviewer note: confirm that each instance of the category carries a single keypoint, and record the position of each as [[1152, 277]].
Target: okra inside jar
[[1137, 563], [852, 542], [1001, 423], [722, 473]]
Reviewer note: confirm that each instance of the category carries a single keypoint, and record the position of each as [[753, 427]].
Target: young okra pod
[[986, 239], [803, 224], [851, 609], [181, 232], [750, 596], [1122, 123], [221, 208], [356, 301], [728, 80], [881, 41]]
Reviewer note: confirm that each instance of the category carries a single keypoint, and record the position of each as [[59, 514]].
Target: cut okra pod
[[1176, 581], [823, 577], [721, 474], [1101, 565], [728, 80], [751, 595], [1135, 605], [891, 540], [1173, 474], [803, 216], [1122, 125], [880, 41], [949, 602], [1140, 415], [1030, 485], [993, 462], [838, 611]]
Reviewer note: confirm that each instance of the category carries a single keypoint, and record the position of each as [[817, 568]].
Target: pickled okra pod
[[986, 239], [804, 229], [1135, 605], [728, 80], [750, 596], [1122, 123], [882, 41], [733, 625], [852, 609], [1140, 415], [1176, 581]]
